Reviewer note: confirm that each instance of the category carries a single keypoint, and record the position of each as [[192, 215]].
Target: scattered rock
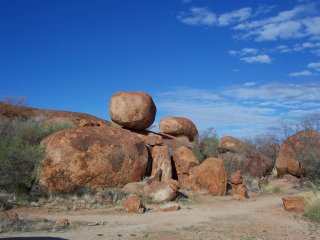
[[161, 162], [287, 161], [133, 110], [93, 157], [169, 207], [135, 187], [293, 203], [62, 222], [134, 204], [178, 126], [209, 177]]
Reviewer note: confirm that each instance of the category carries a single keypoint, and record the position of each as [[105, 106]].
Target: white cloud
[[262, 58], [314, 65], [243, 110], [249, 84], [304, 73], [198, 17], [285, 25], [234, 16]]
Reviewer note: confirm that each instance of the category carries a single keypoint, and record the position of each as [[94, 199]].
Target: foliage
[[20, 151], [312, 208], [207, 145]]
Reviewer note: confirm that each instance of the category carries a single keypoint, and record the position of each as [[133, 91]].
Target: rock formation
[[209, 177], [301, 145], [238, 188], [93, 157], [133, 110], [178, 126]]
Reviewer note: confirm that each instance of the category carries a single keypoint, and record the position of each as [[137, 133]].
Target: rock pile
[[238, 188]]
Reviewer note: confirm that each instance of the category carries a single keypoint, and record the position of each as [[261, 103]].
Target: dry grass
[[312, 208]]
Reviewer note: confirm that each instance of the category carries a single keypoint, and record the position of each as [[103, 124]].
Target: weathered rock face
[[93, 157], [178, 126], [134, 204], [48, 116], [159, 191], [209, 177], [293, 203], [161, 163], [300, 145], [238, 155], [133, 110], [184, 160]]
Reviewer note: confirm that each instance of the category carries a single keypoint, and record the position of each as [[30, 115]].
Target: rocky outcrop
[[184, 160], [48, 116], [238, 155], [238, 187], [133, 204], [178, 126], [159, 191], [209, 177], [294, 203], [161, 163], [93, 157], [294, 150], [133, 110]]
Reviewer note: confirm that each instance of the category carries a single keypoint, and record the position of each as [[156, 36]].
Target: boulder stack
[[238, 188]]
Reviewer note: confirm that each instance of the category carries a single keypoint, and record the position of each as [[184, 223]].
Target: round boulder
[[133, 110], [178, 126], [93, 157]]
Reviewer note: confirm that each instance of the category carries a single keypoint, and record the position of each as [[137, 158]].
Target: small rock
[[169, 207], [293, 203], [134, 204], [62, 222]]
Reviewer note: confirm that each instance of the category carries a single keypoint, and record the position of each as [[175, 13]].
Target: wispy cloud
[[240, 15], [198, 17], [242, 110], [304, 73], [262, 58]]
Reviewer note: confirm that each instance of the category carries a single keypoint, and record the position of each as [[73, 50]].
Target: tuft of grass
[[312, 208], [273, 189]]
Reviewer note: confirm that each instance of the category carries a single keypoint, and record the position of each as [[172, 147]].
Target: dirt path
[[210, 218]]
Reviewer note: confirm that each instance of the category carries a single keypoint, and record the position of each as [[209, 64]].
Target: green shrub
[[312, 208], [20, 151], [206, 145]]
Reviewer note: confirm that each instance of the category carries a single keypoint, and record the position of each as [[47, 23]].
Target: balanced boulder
[[238, 187], [178, 126], [92, 157], [133, 110], [209, 177]]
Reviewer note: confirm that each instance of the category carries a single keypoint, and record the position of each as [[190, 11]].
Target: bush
[[207, 145], [312, 208], [20, 151]]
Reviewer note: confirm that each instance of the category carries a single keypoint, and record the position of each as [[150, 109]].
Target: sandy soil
[[260, 217]]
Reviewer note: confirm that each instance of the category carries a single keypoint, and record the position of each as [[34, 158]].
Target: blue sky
[[241, 67]]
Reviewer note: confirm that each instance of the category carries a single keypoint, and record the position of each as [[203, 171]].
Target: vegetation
[[312, 208], [207, 145], [20, 152]]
